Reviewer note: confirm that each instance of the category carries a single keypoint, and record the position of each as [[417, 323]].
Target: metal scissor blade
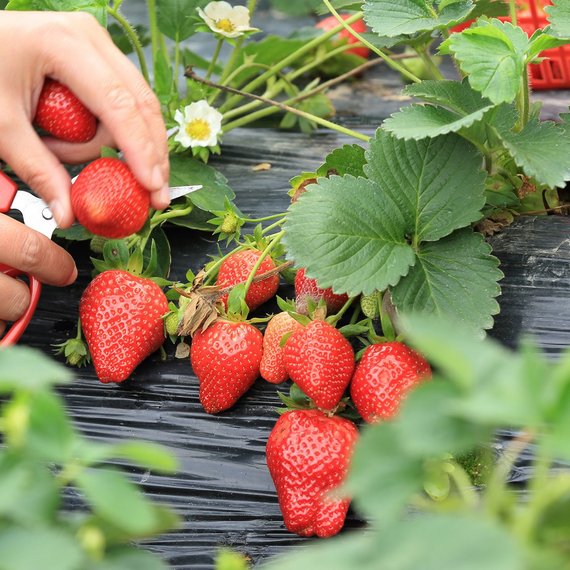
[[35, 212], [178, 191]]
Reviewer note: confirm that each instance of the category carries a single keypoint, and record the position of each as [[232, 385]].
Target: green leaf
[[23, 368], [428, 542], [50, 432], [493, 55], [541, 149], [354, 229], [29, 493], [129, 558], [33, 548], [176, 17], [348, 159], [456, 277], [542, 40], [437, 184], [116, 500], [428, 425], [122, 41], [189, 171], [75, 233], [147, 455], [95, 7], [559, 17], [389, 18], [455, 106], [382, 477], [490, 8], [163, 253], [296, 7]]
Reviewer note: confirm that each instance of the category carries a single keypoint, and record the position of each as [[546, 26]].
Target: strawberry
[[359, 26], [108, 200], [383, 377], [63, 115], [225, 358], [121, 315], [236, 269], [272, 366], [320, 361], [308, 454], [306, 288]]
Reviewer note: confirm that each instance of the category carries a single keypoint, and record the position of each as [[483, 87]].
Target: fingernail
[[56, 210], [72, 277], [157, 179], [165, 196]]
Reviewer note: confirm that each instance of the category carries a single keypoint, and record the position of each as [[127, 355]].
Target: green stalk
[[309, 46], [228, 68], [428, 61], [251, 4], [337, 316], [165, 216], [309, 116], [215, 58], [464, 486], [267, 218], [523, 101], [389, 61], [276, 239], [153, 25], [273, 226], [133, 38], [176, 63], [513, 11], [288, 77]]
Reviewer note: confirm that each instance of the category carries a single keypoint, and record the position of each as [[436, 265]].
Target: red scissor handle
[[18, 328]]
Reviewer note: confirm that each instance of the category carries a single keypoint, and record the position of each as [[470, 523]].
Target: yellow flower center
[[226, 25], [198, 129]]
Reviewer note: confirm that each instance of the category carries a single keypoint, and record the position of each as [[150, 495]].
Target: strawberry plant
[[404, 466], [44, 456]]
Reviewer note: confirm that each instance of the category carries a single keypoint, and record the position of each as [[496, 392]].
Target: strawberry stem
[[284, 107], [334, 319], [391, 63], [133, 38], [275, 241], [267, 218]]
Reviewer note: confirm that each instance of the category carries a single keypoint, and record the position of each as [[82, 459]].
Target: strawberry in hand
[[61, 114], [122, 319], [383, 378], [308, 455], [108, 200], [320, 361], [226, 358]]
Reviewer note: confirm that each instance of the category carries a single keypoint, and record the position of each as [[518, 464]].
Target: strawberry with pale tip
[[306, 290]]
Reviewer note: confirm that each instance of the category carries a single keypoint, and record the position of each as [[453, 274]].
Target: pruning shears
[[37, 215]]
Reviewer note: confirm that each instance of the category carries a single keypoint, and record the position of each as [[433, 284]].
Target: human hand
[[74, 49], [30, 252]]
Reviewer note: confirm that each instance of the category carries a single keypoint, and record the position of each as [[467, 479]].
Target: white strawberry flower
[[200, 125], [226, 20]]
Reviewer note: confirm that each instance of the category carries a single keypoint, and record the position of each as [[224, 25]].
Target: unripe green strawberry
[[171, 323], [369, 305]]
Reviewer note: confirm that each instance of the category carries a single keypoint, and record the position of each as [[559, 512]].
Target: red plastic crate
[[553, 72]]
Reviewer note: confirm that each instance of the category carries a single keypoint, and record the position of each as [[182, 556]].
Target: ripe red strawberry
[[308, 454], [121, 315], [321, 362], [63, 115], [306, 288], [108, 200], [383, 377], [236, 269], [272, 365], [359, 26], [225, 358]]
